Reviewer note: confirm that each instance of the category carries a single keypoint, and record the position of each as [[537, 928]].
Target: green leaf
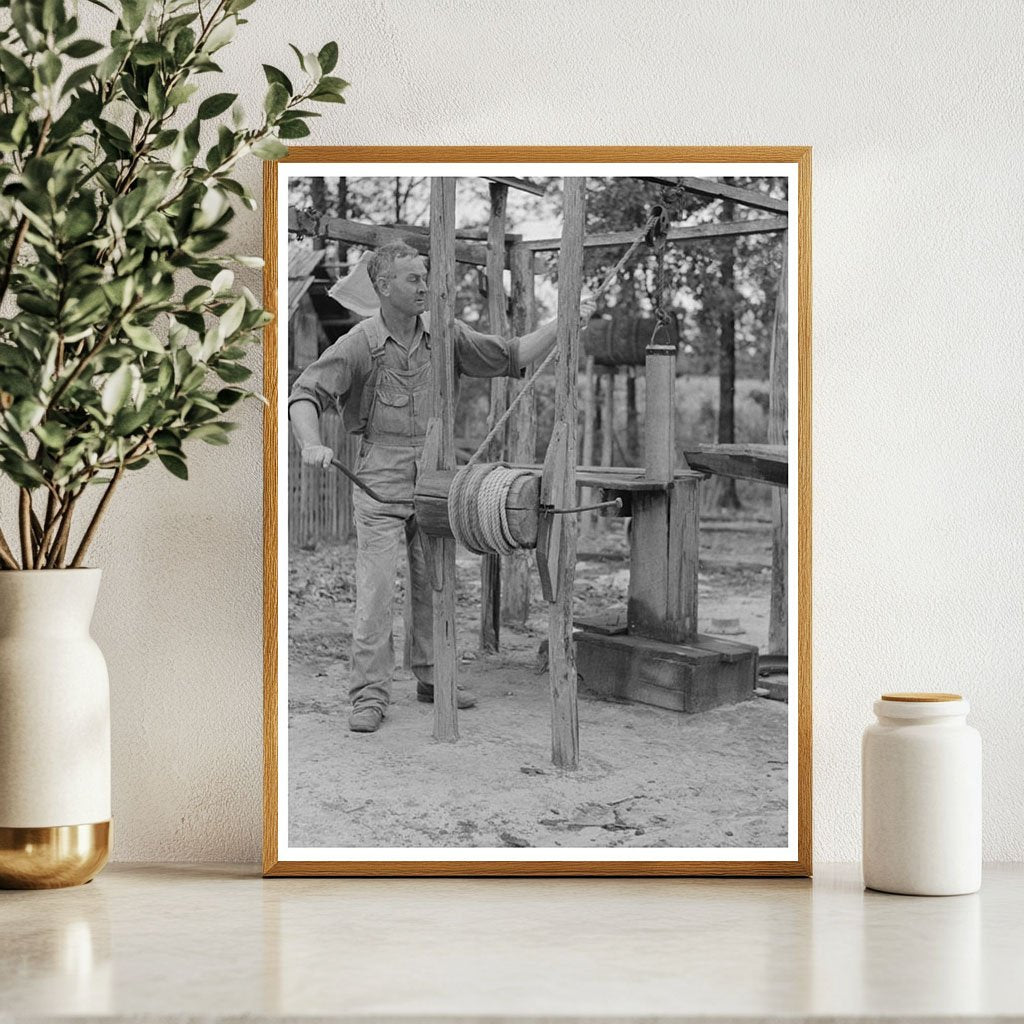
[[269, 149], [211, 433], [149, 53], [293, 130], [26, 414], [53, 435], [276, 100], [328, 57], [78, 78], [175, 465], [278, 77], [214, 105], [232, 319], [133, 13], [116, 390], [16, 70], [221, 35], [49, 68], [83, 48], [156, 101], [325, 96], [222, 282], [232, 373], [144, 338], [338, 85], [184, 44], [181, 94]]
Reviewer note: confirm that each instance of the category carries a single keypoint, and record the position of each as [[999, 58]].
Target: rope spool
[[478, 507]]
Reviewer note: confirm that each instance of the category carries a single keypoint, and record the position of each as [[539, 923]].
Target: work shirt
[[339, 378]]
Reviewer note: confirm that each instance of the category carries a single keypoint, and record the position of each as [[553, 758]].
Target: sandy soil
[[647, 777]]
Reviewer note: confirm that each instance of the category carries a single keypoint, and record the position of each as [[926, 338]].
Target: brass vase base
[[54, 857]]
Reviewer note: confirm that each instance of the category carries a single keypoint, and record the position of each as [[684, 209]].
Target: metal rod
[[617, 503], [365, 487]]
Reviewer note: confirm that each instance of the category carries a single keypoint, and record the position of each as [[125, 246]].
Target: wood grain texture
[[802, 866], [490, 565], [517, 568], [442, 317], [270, 512], [565, 727], [778, 434], [680, 234]]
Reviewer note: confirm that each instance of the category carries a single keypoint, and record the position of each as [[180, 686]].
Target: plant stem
[[60, 544], [25, 522], [6, 555], [19, 234], [97, 516]]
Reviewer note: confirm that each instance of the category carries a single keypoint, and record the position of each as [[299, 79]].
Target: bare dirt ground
[[648, 777]]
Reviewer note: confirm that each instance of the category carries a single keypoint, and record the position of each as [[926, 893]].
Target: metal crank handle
[[365, 487], [616, 503]]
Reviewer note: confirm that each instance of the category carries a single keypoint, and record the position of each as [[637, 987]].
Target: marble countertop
[[179, 941]]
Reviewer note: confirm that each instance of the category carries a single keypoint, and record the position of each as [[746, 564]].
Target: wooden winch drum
[[623, 340], [430, 502]]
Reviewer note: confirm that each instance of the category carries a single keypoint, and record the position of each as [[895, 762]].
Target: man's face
[[406, 292]]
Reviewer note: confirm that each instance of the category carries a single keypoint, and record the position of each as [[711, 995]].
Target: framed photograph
[[537, 575]]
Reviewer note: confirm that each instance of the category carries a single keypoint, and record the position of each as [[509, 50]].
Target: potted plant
[[122, 340]]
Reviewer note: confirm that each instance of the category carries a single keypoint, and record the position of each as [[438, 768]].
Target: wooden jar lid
[[921, 698]]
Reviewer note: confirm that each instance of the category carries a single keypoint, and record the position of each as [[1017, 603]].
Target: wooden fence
[[320, 501]]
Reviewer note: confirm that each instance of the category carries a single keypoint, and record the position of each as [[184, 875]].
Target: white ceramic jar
[[921, 779]]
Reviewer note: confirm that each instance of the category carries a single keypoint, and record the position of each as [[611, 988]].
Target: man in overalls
[[379, 375]]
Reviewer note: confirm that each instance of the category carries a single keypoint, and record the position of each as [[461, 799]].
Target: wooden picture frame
[[683, 168]]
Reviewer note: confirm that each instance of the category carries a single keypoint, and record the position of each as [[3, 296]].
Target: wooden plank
[[719, 190], [778, 434], [589, 519], [683, 556], [565, 730], [442, 317], [683, 233], [490, 567], [648, 565], [766, 463], [549, 529], [371, 236], [522, 437], [431, 548], [522, 184]]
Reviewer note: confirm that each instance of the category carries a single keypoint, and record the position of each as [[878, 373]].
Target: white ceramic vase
[[54, 731]]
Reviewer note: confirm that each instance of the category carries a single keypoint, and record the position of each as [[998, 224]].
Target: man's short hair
[[381, 266]]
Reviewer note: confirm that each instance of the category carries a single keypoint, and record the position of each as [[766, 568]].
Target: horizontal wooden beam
[[768, 463], [686, 233], [353, 232], [718, 190]]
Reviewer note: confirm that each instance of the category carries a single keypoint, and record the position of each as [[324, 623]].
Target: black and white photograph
[[537, 555]]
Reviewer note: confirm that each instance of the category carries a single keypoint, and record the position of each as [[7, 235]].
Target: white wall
[[914, 112]]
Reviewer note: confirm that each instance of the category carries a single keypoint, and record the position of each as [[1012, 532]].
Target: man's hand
[[588, 305], [317, 455]]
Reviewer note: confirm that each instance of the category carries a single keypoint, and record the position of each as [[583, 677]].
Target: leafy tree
[[129, 334]]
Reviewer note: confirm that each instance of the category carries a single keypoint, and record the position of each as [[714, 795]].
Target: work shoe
[[366, 719], [465, 698]]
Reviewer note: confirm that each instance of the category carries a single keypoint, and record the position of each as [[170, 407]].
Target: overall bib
[[392, 442]]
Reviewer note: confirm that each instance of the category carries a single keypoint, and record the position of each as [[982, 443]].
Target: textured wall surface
[[914, 113]]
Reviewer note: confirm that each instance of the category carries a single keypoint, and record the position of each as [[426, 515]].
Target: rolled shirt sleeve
[[328, 382], [485, 355]]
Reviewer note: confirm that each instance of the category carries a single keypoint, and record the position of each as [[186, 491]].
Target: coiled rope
[[478, 507]]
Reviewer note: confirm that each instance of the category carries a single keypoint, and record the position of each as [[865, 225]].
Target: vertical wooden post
[[632, 429], [588, 519], [778, 433], [442, 316], [490, 567], [565, 738], [608, 417], [522, 438]]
